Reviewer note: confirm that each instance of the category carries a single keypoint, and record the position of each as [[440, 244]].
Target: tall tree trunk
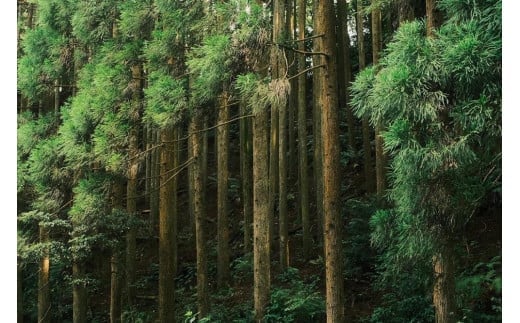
[[406, 11], [367, 150], [44, 291], [377, 45], [131, 185], [347, 71], [303, 178], [199, 212], [327, 99], [116, 265], [277, 156], [283, 225], [261, 241], [223, 275], [79, 292], [246, 168], [154, 177], [444, 285], [167, 227]]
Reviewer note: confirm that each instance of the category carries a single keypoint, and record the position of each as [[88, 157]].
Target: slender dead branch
[[210, 128], [299, 51], [307, 38], [305, 71]]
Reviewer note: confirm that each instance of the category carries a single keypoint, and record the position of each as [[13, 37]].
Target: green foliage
[[479, 292], [92, 21], [166, 99], [299, 302], [42, 63], [210, 64]]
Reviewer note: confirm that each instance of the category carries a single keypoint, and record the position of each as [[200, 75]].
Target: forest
[[259, 161]]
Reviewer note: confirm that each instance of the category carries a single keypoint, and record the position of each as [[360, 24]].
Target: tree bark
[[261, 241], [377, 44], [444, 285], [246, 175], [199, 213], [223, 274], [346, 70], [79, 292], [282, 158], [327, 99], [131, 186], [303, 178], [167, 227], [433, 17], [367, 150], [116, 264], [44, 291]]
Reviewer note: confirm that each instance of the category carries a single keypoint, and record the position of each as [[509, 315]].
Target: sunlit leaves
[[210, 64], [166, 99], [41, 65]]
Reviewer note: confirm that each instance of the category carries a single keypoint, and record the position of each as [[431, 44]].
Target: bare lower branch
[[305, 71]]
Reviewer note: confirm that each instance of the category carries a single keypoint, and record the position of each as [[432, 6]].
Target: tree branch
[[305, 71], [210, 128], [307, 38]]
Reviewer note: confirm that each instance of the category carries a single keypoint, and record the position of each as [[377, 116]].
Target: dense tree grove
[[259, 161]]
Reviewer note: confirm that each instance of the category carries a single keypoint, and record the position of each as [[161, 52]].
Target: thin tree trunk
[[302, 135], [347, 71], [131, 187], [283, 225], [116, 264], [167, 228], [444, 285], [44, 291], [261, 241], [327, 99], [79, 293], [199, 213], [367, 150], [317, 157], [154, 176], [377, 44], [223, 274], [246, 174]]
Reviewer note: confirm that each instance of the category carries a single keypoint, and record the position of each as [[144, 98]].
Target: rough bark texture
[[279, 71], [167, 228], [261, 243], [406, 11], [444, 285], [283, 225], [223, 274], [367, 150], [327, 99], [44, 291], [433, 17], [317, 153], [246, 168], [199, 213], [377, 45], [79, 293], [303, 178]]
